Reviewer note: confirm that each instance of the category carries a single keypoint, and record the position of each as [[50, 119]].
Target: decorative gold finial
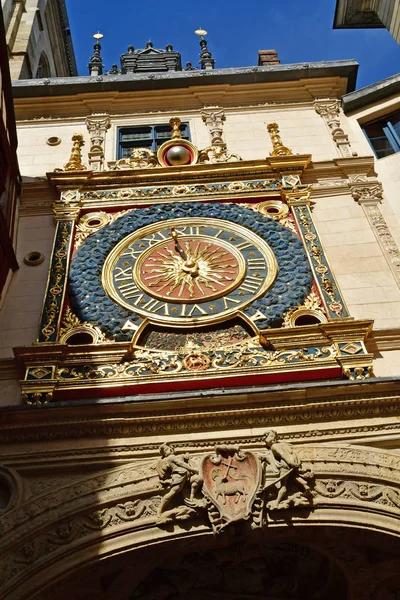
[[278, 148], [176, 132], [201, 32], [98, 36], [75, 160]]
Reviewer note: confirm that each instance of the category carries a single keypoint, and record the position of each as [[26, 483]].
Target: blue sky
[[300, 31]]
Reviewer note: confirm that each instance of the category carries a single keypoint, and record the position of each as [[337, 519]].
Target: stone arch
[[114, 512], [43, 69]]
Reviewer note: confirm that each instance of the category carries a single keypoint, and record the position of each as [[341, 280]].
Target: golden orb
[[178, 155]]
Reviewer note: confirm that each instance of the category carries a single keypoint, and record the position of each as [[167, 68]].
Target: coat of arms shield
[[231, 481]]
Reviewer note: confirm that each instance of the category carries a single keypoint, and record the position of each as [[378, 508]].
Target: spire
[[95, 65], [206, 61]]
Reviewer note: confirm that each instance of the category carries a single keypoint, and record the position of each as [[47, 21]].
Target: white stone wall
[[356, 258], [20, 312], [387, 168], [245, 133]]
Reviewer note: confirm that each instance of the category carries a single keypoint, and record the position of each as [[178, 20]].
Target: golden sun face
[[191, 270]]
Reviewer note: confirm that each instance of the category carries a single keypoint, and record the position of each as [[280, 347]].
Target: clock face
[[189, 270]]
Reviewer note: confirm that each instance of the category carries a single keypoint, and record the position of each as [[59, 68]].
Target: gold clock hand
[[190, 266], [174, 234]]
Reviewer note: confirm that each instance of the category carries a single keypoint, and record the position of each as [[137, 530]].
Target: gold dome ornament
[[177, 152], [178, 155]]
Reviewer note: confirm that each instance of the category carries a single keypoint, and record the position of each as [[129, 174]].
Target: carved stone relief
[[214, 117], [369, 196], [97, 126], [329, 110], [269, 482]]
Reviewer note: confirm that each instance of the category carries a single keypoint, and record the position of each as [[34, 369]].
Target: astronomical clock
[[188, 269]]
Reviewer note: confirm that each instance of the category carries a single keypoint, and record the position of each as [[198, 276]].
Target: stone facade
[[243, 477], [38, 39]]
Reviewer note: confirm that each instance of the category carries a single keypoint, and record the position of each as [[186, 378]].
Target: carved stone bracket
[[329, 110], [369, 196], [97, 126], [217, 152], [214, 118]]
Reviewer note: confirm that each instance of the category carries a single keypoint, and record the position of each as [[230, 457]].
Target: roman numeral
[[130, 290], [121, 274], [251, 284], [194, 230], [244, 245], [156, 306], [132, 252], [192, 310], [233, 300], [256, 263]]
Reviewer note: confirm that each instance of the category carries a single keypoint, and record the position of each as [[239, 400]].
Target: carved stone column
[[214, 118], [369, 197], [329, 110], [97, 126]]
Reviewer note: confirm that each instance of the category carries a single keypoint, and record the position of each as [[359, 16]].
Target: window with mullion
[[384, 135], [146, 136]]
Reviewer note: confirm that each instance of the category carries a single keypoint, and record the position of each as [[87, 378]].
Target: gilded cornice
[[173, 175], [331, 178]]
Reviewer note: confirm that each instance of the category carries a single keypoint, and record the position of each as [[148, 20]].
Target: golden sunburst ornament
[[190, 269]]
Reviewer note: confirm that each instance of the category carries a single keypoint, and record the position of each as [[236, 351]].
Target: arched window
[[43, 69]]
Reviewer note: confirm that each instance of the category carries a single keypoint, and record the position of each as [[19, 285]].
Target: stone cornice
[[172, 413], [79, 96]]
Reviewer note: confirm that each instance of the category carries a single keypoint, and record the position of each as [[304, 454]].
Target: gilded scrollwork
[[217, 154], [147, 363], [312, 306], [71, 325], [56, 283], [140, 158], [191, 190], [359, 372], [324, 276]]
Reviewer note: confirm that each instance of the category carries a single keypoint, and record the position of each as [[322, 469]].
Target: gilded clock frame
[[256, 240]]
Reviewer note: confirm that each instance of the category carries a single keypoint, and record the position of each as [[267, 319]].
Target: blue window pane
[[146, 136], [384, 135]]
